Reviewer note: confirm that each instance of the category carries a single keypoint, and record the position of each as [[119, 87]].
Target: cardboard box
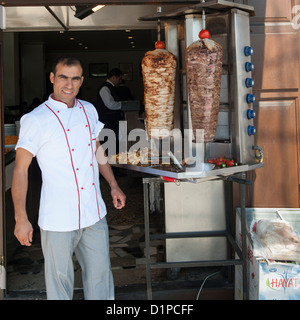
[[268, 281]]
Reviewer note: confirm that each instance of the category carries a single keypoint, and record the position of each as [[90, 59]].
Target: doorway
[[35, 51]]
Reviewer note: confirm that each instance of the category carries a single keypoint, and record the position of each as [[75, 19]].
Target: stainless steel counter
[[190, 173], [183, 241]]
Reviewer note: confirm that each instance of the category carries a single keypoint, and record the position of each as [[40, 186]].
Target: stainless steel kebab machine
[[198, 206]]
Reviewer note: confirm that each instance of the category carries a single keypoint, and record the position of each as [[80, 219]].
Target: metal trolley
[[225, 233]]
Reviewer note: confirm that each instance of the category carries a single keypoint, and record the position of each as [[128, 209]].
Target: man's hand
[[119, 198], [23, 232], [117, 194], [19, 186]]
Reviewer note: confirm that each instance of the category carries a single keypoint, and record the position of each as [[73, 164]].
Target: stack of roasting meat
[[159, 71], [204, 68]]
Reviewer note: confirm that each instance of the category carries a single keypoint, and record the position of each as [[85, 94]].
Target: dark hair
[[115, 72], [66, 60]]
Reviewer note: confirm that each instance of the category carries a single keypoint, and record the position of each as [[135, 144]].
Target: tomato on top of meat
[[159, 45], [204, 34]]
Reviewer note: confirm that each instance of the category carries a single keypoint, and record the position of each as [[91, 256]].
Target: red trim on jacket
[[70, 159], [93, 155]]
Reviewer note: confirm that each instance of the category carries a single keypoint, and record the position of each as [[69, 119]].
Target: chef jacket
[[64, 142]]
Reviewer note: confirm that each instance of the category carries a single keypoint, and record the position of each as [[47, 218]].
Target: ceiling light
[[98, 7], [84, 11]]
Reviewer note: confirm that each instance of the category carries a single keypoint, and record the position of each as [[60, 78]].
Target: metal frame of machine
[[238, 141], [224, 233]]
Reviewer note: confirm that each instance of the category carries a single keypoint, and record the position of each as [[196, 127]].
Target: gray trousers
[[91, 247]]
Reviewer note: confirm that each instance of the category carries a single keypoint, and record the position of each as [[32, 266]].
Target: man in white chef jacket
[[62, 134]]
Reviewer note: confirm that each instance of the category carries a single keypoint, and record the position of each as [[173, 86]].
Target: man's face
[[119, 80], [66, 83], [116, 80]]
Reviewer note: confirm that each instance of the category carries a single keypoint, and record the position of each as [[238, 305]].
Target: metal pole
[[147, 239], [244, 240], [203, 17], [158, 25]]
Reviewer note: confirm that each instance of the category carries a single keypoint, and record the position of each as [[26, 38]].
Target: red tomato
[[159, 45], [218, 163], [204, 34], [229, 163]]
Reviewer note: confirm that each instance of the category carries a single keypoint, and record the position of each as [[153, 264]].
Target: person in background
[[108, 104], [62, 134], [123, 92]]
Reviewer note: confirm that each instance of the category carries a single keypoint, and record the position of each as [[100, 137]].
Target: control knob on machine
[[248, 51], [249, 83], [251, 130], [249, 66], [250, 98], [250, 114]]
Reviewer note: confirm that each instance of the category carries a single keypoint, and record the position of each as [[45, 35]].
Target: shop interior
[[112, 37]]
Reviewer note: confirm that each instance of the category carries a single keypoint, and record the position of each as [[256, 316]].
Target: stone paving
[[25, 271]]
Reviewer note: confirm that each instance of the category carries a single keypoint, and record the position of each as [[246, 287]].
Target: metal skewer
[[175, 160], [203, 17]]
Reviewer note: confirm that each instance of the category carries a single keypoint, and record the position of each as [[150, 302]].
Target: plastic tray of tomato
[[223, 162]]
